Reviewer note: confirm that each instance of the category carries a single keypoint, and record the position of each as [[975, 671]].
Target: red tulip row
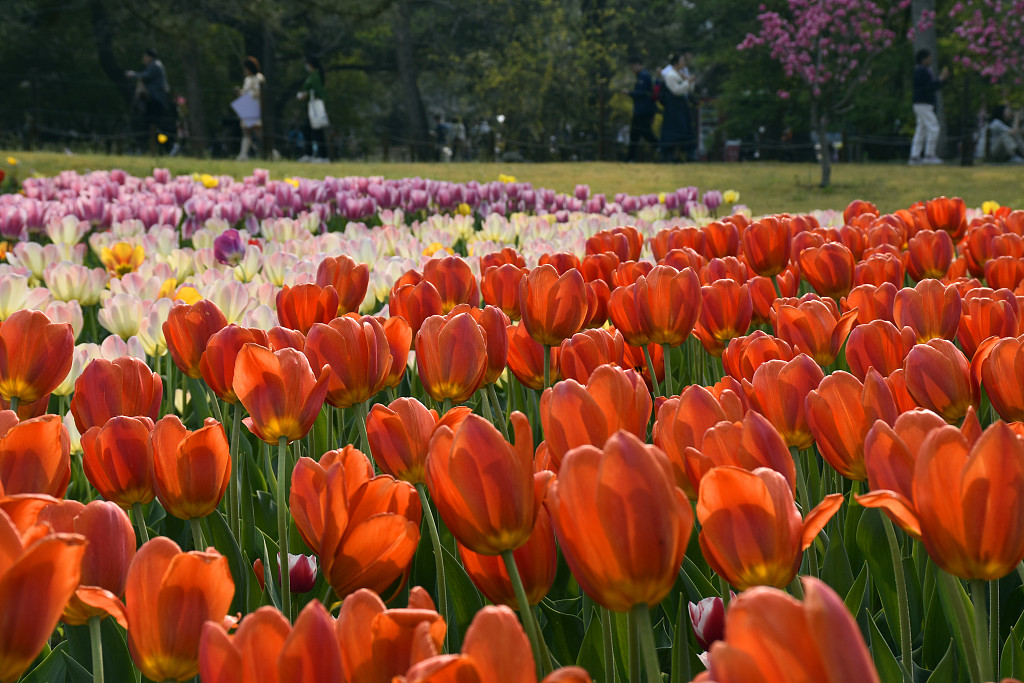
[[554, 464]]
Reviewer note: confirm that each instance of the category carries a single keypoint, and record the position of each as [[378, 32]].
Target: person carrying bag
[[312, 91]]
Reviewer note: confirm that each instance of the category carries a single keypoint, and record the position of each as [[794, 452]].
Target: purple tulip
[[708, 620], [228, 247], [712, 199]]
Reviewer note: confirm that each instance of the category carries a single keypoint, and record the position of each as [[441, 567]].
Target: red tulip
[[871, 302], [451, 356], [879, 345], [526, 358], [1003, 373], [500, 287], [217, 363], [35, 355], [191, 469], [399, 436], [118, 460], [35, 455], [724, 315], [399, 336], [984, 317], [454, 281], [929, 254], [779, 390], [931, 310], [829, 269], [938, 377], [553, 306], [349, 280], [879, 269], [299, 307], [766, 246], [124, 386], [947, 214], [188, 330], [744, 355], [585, 351], [415, 302], [814, 328], [358, 355]]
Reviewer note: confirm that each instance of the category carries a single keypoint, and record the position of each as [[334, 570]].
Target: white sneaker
[[914, 161], [932, 161]]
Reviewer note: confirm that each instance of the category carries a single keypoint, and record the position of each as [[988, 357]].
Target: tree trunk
[[412, 102], [819, 122], [198, 129]]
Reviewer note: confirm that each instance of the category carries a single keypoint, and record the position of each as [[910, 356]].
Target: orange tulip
[[724, 315], [553, 306], [1002, 374], [669, 239], [454, 281], [744, 355], [415, 302], [841, 411], [38, 575], [500, 258], [526, 358], [562, 261], [938, 377], [573, 415], [349, 280], [358, 355], [621, 524], [217, 364], [1004, 272], [929, 254], [771, 637], [536, 560], [451, 357], [598, 299], [265, 647], [684, 258], [668, 304], [879, 269], [35, 455], [279, 391], [721, 238], [585, 351], [299, 307], [500, 287], [984, 317], [600, 266], [35, 355], [492, 322], [946, 511], [829, 269], [681, 424], [624, 242], [284, 338], [364, 529], [118, 460], [858, 207], [749, 444], [399, 336], [871, 302], [890, 452], [494, 649], [814, 328], [623, 310], [931, 310], [188, 330], [399, 436], [629, 272], [763, 293], [726, 268], [766, 246], [751, 530], [778, 391], [484, 488], [378, 644], [877, 345], [947, 214], [169, 595], [633, 358], [124, 386], [191, 470], [106, 560]]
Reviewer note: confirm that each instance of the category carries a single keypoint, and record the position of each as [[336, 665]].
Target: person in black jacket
[[644, 109], [926, 133]]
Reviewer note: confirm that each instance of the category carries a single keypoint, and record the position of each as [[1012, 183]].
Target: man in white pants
[[926, 134]]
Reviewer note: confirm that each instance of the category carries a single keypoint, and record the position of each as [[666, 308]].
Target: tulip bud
[[707, 618], [302, 571]]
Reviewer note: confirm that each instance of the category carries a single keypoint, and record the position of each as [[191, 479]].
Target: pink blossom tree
[[993, 35], [827, 47]]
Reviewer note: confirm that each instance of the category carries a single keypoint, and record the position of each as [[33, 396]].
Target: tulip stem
[[96, 641], [609, 653], [650, 369], [645, 631], [667, 352], [951, 588], [361, 414], [235, 500], [15, 401], [547, 366], [543, 664], [282, 526], [140, 520], [198, 542], [907, 659], [500, 415], [435, 540], [981, 632], [633, 648], [993, 623]]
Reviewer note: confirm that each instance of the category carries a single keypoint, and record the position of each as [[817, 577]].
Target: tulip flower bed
[[501, 434]]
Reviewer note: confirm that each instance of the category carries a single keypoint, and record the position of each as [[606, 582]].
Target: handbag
[[317, 113]]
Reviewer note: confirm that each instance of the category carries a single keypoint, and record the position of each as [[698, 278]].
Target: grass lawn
[[765, 187]]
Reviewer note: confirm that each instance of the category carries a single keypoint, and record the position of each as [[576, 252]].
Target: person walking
[[675, 98], [313, 91], [152, 91], [926, 131], [644, 108], [253, 87]]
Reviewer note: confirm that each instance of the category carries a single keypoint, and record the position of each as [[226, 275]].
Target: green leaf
[[50, 670], [697, 585], [117, 662], [835, 568], [871, 539], [620, 644], [1012, 661], [945, 670], [563, 632], [591, 654], [855, 596], [888, 668], [76, 673], [463, 598], [218, 533], [272, 590], [937, 633], [265, 513]]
